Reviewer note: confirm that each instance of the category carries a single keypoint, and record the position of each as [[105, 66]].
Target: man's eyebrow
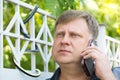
[[75, 32], [59, 31]]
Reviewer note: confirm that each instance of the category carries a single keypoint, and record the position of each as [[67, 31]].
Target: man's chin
[[64, 61]]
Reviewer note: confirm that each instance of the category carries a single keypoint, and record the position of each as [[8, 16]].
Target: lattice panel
[[43, 40], [113, 51]]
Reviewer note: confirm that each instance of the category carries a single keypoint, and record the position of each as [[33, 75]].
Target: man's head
[[71, 15], [73, 31]]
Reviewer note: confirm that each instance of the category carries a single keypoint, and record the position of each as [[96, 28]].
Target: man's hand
[[102, 64]]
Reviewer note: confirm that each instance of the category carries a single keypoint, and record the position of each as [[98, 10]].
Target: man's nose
[[66, 40]]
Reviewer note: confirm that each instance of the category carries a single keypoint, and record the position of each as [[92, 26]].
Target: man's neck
[[72, 72]]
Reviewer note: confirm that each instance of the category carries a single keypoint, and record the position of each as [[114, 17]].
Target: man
[[73, 32]]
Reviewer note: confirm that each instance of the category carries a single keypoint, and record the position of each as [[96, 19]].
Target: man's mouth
[[64, 51]]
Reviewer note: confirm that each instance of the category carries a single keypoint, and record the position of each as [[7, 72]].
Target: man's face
[[70, 40]]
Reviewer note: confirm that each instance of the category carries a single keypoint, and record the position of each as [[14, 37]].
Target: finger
[[91, 54], [96, 48], [90, 47], [87, 56], [88, 50]]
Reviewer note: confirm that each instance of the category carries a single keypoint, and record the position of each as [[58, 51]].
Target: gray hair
[[71, 15]]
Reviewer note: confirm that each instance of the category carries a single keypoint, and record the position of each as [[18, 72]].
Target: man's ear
[[90, 42]]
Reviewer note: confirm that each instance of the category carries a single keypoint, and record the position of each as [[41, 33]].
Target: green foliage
[[106, 12]]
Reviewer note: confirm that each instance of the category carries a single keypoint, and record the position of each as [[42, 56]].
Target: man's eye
[[74, 35], [59, 35]]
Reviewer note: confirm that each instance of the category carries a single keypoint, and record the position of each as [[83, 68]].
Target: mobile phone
[[88, 64]]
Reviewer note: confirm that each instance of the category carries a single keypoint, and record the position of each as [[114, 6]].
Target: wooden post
[[101, 40]]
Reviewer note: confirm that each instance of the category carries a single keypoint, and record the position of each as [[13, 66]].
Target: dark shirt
[[116, 72], [57, 74]]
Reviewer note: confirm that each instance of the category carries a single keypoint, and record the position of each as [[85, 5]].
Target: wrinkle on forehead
[[79, 25]]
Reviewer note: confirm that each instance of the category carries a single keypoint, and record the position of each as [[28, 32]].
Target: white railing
[[1, 35], [17, 20], [43, 40], [111, 48], [113, 51]]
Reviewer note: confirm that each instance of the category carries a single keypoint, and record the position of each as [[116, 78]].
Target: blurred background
[[105, 11]]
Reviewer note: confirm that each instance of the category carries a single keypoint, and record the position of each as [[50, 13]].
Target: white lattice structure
[[113, 51], [109, 45], [17, 49]]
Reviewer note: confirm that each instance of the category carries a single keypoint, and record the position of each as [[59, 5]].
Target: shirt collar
[[58, 71]]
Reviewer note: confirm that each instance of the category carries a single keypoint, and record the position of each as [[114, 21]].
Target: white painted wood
[[101, 41], [1, 34]]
